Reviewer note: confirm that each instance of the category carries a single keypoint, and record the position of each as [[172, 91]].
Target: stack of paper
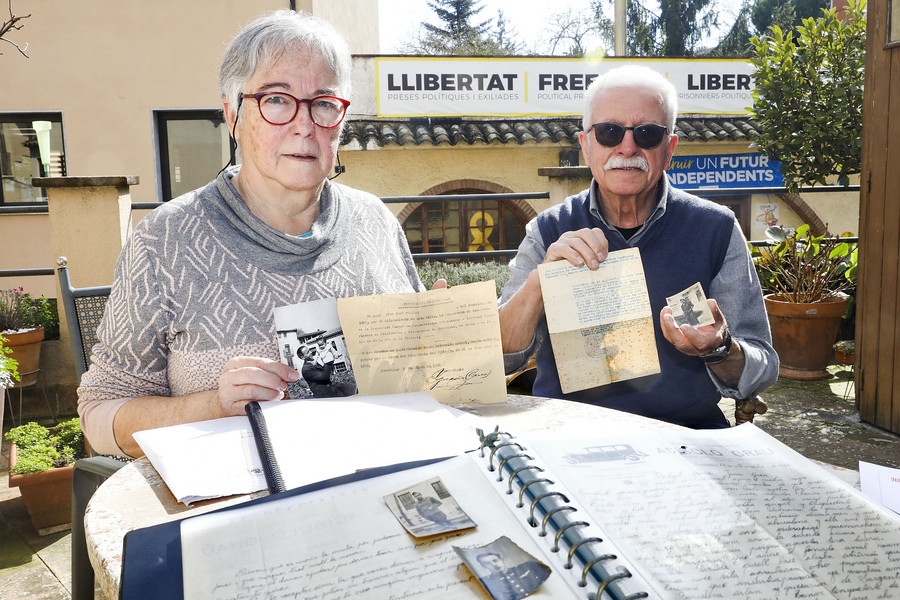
[[312, 440]]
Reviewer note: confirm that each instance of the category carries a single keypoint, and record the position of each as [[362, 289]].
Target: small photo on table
[[427, 509], [505, 570]]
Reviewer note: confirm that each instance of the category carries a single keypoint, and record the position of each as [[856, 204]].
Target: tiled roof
[[453, 131]]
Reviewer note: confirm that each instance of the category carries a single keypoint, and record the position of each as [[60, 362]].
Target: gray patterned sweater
[[197, 281]]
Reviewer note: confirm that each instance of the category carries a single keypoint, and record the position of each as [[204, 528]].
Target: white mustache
[[636, 162]]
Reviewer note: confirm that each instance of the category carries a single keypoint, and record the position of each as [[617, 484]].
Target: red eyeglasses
[[280, 108]]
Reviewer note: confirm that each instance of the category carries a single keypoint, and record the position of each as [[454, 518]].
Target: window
[[193, 148], [469, 226], [739, 205], [31, 145]]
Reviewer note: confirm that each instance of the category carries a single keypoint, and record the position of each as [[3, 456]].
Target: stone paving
[[818, 419]]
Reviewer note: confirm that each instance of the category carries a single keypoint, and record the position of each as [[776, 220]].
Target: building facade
[[113, 88]]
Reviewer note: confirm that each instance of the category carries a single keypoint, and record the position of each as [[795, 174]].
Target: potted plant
[[805, 279], [844, 351], [9, 374], [22, 320], [40, 464]]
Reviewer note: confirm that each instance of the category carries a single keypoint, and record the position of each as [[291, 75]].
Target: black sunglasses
[[645, 136]]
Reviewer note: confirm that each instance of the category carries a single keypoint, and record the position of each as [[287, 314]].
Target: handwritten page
[[344, 542], [600, 322], [445, 342], [218, 458], [730, 514]]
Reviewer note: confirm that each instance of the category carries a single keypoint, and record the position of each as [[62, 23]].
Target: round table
[[136, 496]]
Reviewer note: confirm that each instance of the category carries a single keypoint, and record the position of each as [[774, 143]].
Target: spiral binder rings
[[271, 470], [615, 516], [499, 485], [552, 511]]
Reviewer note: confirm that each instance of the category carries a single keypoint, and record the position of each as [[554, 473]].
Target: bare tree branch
[[12, 24]]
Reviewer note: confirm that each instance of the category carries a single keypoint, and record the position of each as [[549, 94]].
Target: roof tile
[[452, 131]]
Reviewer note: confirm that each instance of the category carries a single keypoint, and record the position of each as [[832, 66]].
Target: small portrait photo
[[690, 307], [428, 508], [504, 570]]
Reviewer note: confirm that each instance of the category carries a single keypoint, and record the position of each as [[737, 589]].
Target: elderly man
[[628, 141]]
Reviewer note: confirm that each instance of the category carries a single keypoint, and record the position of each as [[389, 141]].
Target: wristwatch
[[720, 353]]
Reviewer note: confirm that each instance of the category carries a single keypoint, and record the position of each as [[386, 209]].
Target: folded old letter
[[445, 342], [601, 324]]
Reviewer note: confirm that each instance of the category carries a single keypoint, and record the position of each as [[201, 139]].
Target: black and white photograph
[[690, 307], [428, 508], [311, 340], [504, 570]]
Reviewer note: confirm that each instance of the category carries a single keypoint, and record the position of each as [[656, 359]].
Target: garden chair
[[746, 409], [83, 309]]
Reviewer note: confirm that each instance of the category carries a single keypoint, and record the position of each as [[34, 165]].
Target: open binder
[[495, 484], [668, 514]]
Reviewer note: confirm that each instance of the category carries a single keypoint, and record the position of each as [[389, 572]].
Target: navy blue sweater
[[688, 244]]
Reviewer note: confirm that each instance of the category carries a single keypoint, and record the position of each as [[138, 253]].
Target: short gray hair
[[262, 42], [633, 76]]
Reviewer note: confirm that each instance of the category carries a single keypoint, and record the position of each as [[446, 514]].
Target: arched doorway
[[465, 226]]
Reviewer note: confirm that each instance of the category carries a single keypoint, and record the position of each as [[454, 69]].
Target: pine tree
[[459, 35], [676, 30]]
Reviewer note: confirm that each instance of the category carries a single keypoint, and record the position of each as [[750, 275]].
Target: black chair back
[[84, 309]]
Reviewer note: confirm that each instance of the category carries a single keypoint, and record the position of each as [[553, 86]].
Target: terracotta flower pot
[[843, 357], [804, 334], [47, 495], [26, 348]]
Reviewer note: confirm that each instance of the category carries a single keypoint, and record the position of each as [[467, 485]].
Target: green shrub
[[20, 310], [39, 448], [46, 314], [804, 267], [463, 272], [9, 367]]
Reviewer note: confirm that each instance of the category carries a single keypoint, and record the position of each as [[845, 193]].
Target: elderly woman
[[188, 332]]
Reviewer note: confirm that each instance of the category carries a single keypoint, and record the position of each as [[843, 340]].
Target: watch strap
[[721, 352]]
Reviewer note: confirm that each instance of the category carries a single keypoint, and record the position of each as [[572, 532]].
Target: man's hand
[[694, 341], [697, 341], [519, 316], [247, 378], [583, 247]]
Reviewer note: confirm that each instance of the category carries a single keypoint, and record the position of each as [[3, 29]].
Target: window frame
[[36, 115], [464, 211], [740, 204], [161, 117]]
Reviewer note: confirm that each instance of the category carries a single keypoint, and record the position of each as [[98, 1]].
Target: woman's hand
[[247, 378]]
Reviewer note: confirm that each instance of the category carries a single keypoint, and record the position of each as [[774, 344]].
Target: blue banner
[[719, 171]]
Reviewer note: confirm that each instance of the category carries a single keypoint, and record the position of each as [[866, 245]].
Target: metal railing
[[27, 272], [710, 193], [40, 207]]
